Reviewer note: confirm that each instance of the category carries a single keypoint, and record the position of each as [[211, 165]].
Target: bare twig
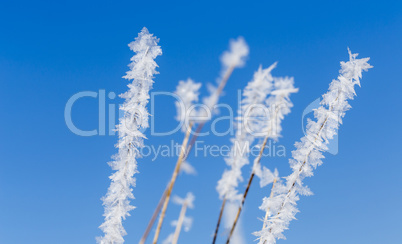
[[218, 93], [219, 220], [264, 225], [172, 182], [256, 162], [153, 218], [304, 162], [179, 223]]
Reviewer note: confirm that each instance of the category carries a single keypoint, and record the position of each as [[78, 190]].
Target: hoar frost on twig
[[308, 153], [233, 58], [279, 105], [269, 126], [187, 94], [117, 199], [255, 93]]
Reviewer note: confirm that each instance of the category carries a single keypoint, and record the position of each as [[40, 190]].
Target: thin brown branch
[[256, 162], [179, 223], [218, 93], [153, 218], [189, 147], [219, 220], [172, 182]]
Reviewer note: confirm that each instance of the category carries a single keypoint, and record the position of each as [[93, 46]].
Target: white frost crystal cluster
[[187, 93], [235, 57], [117, 199], [237, 54], [265, 103], [255, 93], [308, 153]]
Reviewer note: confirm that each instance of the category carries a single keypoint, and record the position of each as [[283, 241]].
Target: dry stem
[[153, 218], [219, 220], [264, 225], [301, 167], [190, 146], [172, 182], [218, 93], [179, 223], [270, 196], [256, 162]]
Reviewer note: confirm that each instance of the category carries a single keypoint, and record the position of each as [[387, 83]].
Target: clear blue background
[[51, 180]]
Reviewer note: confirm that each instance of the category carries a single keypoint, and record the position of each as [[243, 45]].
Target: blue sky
[[51, 180]]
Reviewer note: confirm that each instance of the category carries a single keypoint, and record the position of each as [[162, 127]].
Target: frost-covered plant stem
[[179, 223], [172, 182], [254, 95], [256, 162], [297, 173], [187, 92], [188, 150], [166, 195], [309, 150], [253, 172], [270, 197], [117, 200], [232, 59], [279, 104], [222, 85]]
